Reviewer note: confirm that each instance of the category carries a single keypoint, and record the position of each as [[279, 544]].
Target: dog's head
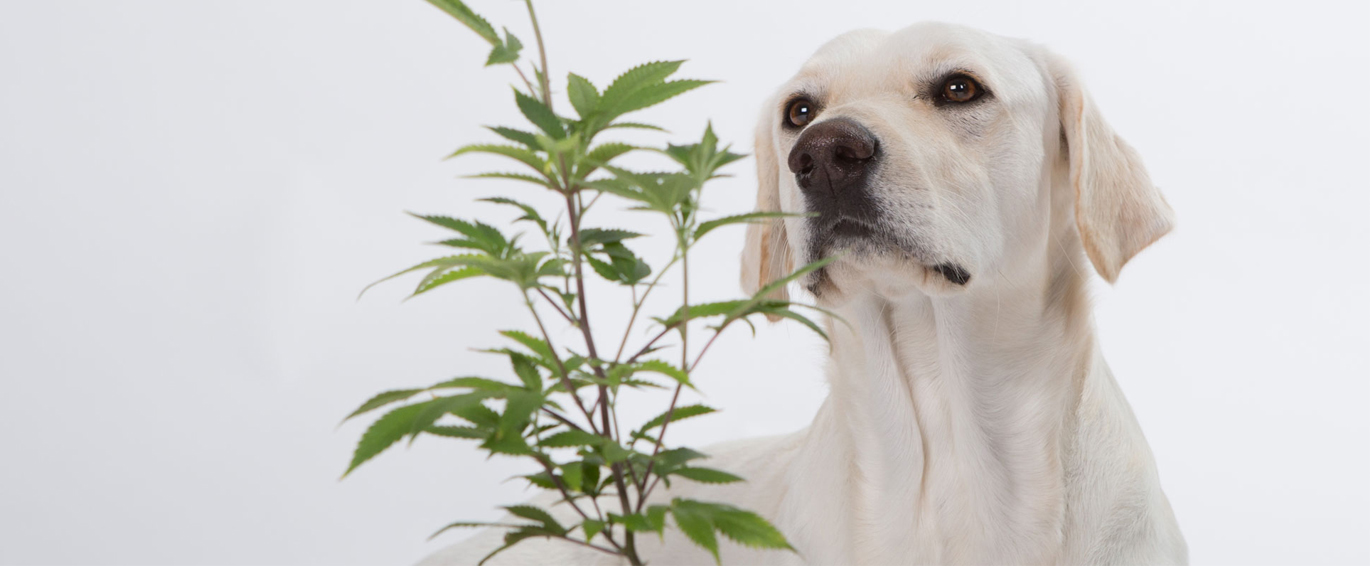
[[926, 157]]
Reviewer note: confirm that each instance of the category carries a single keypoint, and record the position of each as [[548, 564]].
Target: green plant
[[562, 412]]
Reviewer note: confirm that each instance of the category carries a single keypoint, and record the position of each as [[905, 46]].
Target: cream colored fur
[[973, 424]]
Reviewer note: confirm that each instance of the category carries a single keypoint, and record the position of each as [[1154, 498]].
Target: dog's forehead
[[865, 59]]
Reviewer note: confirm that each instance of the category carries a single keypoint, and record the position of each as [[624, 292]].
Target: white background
[[192, 193]]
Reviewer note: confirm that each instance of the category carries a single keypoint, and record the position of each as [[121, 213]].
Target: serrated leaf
[[535, 345], [680, 413], [590, 237], [440, 277], [635, 79], [749, 218], [602, 154], [469, 524], [520, 136], [458, 10], [696, 527], [592, 527], [435, 409], [666, 369], [748, 529], [706, 475], [383, 399], [506, 51], [656, 516], [540, 115], [571, 475], [522, 155], [676, 457], [530, 214], [448, 261], [571, 438], [518, 410], [635, 126], [384, 433], [510, 176], [514, 537], [480, 383], [583, 94], [635, 522], [537, 514], [456, 431], [651, 95]]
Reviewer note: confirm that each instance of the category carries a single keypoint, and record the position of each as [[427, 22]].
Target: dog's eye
[[961, 88], [800, 112]]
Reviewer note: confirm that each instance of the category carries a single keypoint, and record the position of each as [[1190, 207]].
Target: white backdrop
[[192, 193]]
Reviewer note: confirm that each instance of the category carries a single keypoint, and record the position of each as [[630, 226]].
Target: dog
[[966, 183]]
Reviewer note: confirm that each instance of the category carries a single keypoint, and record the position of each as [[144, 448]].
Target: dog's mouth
[[857, 239]]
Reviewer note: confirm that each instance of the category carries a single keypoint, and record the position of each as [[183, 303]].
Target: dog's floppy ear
[[766, 254], [1117, 209]]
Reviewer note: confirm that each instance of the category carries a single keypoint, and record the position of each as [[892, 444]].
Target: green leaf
[[468, 524], [537, 346], [802, 271], [602, 154], [520, 136], [572, 474], [382, 400], [696, 518], [495, 388], [530, 214], [680, 413], [458, 10], [584, 97], [526, 372], [449, 261], [456, 431], [635, 79], [435, 409], [514, 537], [537, 514], [590, 237], [383, 433], [666, 369], [540, 115], [656, 515], [635, 126], [748, 528], [696, 526], [440, 277], [651, 95], [676, 457], [592, 527], [518, 411], [510, 176], [749, 218], [505, 52], [524, 156], [572, 438], [706, 475], [635, 522]]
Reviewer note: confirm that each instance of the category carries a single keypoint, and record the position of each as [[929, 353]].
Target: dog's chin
[[867, 259]]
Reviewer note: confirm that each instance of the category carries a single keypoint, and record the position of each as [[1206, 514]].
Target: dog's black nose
[[833, 156]]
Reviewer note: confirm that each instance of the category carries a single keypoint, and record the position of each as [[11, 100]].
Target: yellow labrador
[[963, 179]]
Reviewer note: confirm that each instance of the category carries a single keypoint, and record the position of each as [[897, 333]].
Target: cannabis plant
[[560, 409]]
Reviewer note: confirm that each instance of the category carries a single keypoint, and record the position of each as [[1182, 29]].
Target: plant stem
[[561, 368], [542, 55], [637, 306]]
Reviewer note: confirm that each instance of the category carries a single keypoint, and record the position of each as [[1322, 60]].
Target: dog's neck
[[948, 418]]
